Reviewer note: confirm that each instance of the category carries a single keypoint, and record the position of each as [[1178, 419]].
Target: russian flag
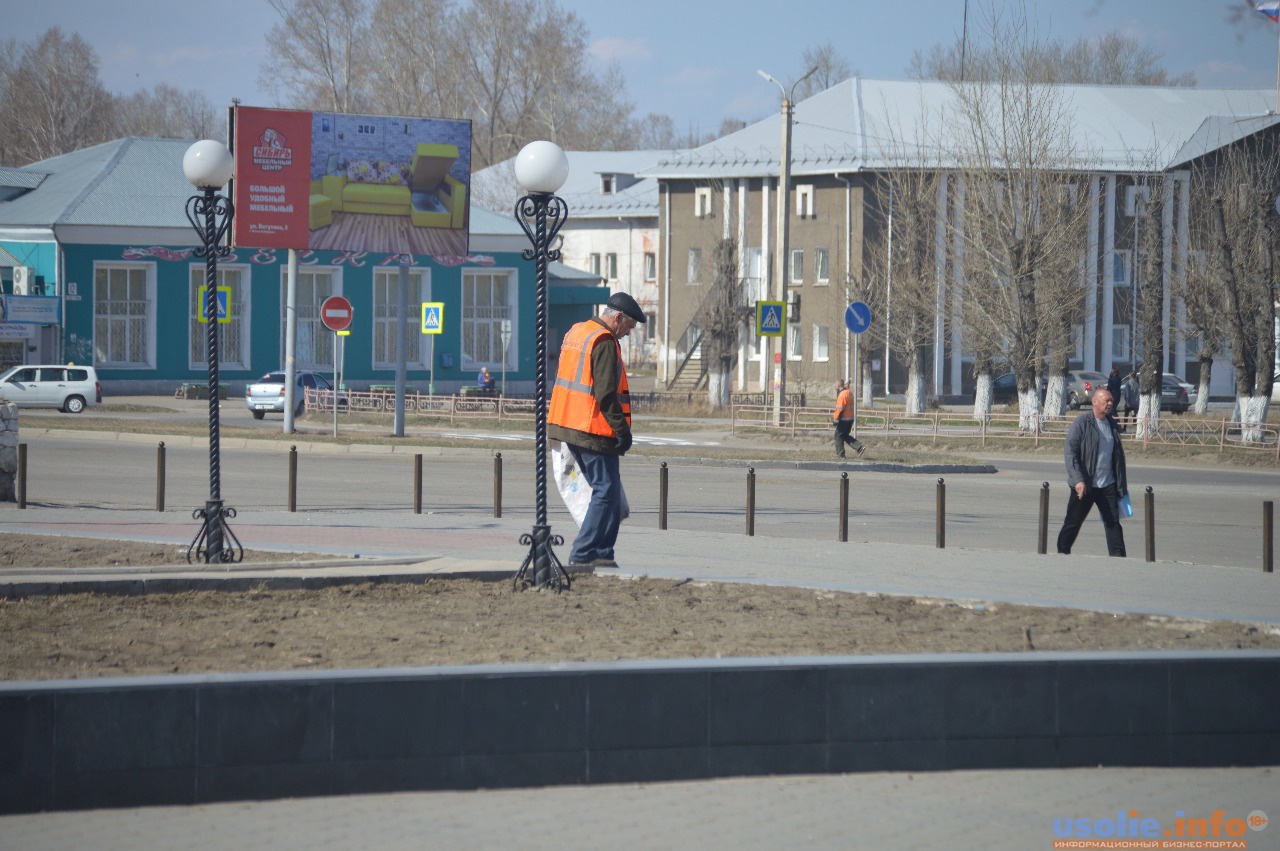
[[1270, 8]]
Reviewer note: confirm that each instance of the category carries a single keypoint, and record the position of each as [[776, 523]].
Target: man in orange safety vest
[[590, 411]]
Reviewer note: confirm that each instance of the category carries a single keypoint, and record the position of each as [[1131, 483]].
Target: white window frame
[[385, 336], [1119, 342], [147, 331], [650, 266], [795, 341], [477, 328], [611, 266], [804, 201], [1077, 343], [795, 267], [822, 266], [313, 343], [1123, 257], [695, 266], [702, 202], [608, 184], [233, 337], [1131, 198], [594, 264], [821, 343]]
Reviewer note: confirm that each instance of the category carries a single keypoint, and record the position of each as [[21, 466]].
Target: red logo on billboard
[[272, 152]]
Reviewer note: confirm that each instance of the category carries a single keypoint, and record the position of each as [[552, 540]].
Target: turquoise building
[[104, 230]]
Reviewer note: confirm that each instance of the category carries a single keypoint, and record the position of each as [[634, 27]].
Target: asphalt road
[[1203, 515]]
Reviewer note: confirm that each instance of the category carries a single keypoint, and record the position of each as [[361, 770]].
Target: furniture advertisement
[[339, 182]]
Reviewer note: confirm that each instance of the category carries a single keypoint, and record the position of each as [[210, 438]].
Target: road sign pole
[[856, 382], [335, 383]]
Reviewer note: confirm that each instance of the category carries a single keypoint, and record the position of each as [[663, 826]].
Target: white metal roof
[[865, 124]]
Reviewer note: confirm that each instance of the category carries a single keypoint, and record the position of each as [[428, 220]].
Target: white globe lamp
[[542, 167], [208, 164]]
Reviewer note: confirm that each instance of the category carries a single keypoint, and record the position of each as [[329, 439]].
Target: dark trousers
[[843, 436], [1107, 499], [600, 527]]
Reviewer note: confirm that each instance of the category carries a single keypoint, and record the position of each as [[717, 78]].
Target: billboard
[[336, 182]]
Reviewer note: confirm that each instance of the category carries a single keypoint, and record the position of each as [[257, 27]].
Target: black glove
[[624, 442]]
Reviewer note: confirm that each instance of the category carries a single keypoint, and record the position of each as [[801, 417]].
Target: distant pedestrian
[[1096, 474], [484, 380], [842, 419], [1113, 383], [1130, 391]]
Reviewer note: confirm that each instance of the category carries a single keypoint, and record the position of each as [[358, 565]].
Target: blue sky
[[694, 60]]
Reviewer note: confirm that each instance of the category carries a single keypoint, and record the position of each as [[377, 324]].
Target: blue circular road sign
[[857, 317]]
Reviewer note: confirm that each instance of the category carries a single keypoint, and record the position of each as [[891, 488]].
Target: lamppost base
[[547, 571], [211, 544]]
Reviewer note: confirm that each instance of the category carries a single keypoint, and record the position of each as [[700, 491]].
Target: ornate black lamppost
[[209, 165], [541, 169]]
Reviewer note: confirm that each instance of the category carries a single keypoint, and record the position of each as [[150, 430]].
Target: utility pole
[[784, 234]]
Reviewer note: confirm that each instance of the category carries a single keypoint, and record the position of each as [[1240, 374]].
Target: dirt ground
[[455, 621]]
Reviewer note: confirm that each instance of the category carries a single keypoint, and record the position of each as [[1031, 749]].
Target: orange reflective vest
[[573, 401], [844, 405]]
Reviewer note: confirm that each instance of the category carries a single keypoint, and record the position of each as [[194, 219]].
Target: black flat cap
[[624, 303]]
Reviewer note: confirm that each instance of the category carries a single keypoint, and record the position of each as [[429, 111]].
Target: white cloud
[[619, 49]]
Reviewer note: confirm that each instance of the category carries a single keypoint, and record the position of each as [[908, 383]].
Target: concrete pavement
[[1013, 809]]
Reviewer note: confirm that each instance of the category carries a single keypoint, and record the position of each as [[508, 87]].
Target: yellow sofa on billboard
[[421, 189]]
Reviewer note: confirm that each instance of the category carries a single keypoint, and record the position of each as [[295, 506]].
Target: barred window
[[123, 316], [486, 311], [386, 335], [313, 343], [233, 336]]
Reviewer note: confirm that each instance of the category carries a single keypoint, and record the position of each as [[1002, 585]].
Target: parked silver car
[[1081, 385], [68, 387], [267, 393]]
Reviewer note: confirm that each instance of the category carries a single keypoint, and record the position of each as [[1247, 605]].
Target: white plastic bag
[[573, 486]]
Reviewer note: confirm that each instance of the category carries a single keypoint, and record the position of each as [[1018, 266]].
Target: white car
[[267, 393], [68, 387]]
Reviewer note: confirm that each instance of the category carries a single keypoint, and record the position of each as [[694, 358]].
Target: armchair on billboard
[[335, 182]]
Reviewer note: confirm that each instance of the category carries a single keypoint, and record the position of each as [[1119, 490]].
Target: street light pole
[[209, 165], [784, 234], [541, 169]]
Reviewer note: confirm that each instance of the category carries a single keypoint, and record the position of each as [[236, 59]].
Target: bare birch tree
[[911, 265], [315, 58], [53, 101], [1013, 139], [1149, 267], [1244, 179]]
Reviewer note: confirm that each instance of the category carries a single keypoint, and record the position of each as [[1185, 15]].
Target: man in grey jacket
[[1096, 474]]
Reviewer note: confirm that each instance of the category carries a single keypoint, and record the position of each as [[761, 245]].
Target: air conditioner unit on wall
[[24, 280]]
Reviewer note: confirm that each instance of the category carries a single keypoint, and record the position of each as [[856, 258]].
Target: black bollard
[[941, 522], [662, 496], [417, 483], [160, 477], [22, 475], [844, 507], [1042, 542], [497, 484], [1149, 511], [751, 501], [293, 479], [1267, 564]]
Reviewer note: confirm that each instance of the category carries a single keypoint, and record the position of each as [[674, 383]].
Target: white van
[[68, 387]]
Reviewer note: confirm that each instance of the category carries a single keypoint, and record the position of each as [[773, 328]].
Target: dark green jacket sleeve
[[607, 372]]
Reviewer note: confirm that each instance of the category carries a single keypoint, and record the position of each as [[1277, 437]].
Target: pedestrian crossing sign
[[432, 317], [224, 301], [770, 317]]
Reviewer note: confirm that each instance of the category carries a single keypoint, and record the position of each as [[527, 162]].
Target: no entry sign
[[335, 313]]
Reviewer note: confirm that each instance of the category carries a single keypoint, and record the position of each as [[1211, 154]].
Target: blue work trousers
[[599, 529]]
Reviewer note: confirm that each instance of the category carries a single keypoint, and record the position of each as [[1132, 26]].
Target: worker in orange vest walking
[[590, 411], [842, 419]]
